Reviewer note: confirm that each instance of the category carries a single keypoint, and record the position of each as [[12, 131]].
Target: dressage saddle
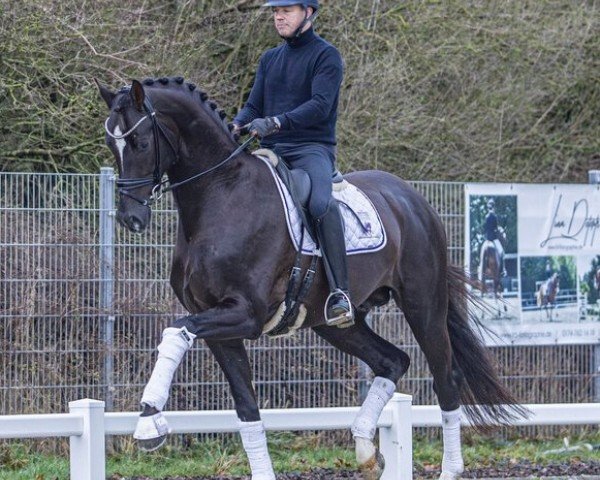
[[298, 184]]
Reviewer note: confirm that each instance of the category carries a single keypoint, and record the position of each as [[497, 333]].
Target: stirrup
[[343, 320]]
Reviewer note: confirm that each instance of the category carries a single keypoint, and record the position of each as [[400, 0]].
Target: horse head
[[144, 146], [161, 126]]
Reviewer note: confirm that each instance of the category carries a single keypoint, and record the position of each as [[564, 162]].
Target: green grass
[[290, 454]]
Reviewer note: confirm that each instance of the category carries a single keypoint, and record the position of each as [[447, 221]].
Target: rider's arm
[[325, 87], [253, 107]]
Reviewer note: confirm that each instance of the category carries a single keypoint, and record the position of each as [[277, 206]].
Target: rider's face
[[288, 19]]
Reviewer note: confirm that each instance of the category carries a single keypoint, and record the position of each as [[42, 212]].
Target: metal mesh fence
[[82, 305]]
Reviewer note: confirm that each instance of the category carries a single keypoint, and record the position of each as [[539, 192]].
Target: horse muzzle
[[135, 222]]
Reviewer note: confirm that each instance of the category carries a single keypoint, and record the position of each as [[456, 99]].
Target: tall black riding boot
[[502, 266], [330, 233]]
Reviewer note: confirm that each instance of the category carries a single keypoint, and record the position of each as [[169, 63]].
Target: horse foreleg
[[388, 363], [231, 320], [152, 428], [233, 359]]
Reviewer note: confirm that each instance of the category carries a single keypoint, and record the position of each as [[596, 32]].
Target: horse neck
[[204, 138], [205, 143], [216, 199]]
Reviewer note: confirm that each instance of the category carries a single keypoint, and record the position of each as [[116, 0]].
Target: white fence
[[87, 424]]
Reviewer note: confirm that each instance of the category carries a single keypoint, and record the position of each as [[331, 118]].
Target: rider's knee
[[318, 208]]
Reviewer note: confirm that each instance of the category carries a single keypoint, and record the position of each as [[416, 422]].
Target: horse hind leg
[[427, 318], [388, 363]]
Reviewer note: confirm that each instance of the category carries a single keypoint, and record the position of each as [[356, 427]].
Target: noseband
[[127, 184]]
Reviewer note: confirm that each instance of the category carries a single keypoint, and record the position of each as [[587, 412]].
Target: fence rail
[[88, 424]]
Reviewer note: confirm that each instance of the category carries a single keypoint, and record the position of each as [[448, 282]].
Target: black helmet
[[288, 3]]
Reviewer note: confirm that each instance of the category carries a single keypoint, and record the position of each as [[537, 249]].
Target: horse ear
[[106, 94], [137, 95]]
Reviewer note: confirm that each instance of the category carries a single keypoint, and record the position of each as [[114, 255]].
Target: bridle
[[125, 185]]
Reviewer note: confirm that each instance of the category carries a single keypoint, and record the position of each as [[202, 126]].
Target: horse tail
[[485, 400]]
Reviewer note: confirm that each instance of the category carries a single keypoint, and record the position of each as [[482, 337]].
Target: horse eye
[[144, 144]]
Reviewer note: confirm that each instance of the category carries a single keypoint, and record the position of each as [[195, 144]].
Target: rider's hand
[[262, 127]]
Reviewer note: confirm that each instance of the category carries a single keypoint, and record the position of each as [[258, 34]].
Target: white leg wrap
[[364, 449], [175, 342], [254, 440], [452, 462], [365, 424], [151, 427]]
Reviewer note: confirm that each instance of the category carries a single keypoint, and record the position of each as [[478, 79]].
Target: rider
[[490, 228], [293, 107], [548, 269]]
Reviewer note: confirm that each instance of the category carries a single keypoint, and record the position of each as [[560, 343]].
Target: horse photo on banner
[[534, 251], [493, 253]]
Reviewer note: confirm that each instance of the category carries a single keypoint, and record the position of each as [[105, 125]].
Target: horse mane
[[218, 115]]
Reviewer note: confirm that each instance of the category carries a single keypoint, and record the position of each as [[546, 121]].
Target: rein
[[126, 184], [173, 186]]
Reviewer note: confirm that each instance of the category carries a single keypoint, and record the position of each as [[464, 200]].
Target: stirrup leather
[[343, 320]]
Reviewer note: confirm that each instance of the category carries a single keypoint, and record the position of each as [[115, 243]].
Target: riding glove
[[263, 127]]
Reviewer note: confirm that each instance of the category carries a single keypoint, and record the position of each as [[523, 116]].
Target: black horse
[[233, 258]]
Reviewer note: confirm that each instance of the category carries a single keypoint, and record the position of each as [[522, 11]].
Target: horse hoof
[[151, 431], [151, 444], [449, 476], [373, 468]]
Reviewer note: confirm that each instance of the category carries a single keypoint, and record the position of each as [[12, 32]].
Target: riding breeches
[[499, 248], [318, 161]]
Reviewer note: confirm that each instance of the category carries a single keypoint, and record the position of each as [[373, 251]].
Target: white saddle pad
[[364, 231]]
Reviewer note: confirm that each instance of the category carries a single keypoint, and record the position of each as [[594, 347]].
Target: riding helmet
[[288, 3], [491, 203]]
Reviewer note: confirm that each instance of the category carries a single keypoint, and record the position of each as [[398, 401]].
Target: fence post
[[87, 450], [395, 442], [107, 263], [594, 179]]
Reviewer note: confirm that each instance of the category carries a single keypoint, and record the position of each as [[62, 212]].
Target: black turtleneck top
[[298, 82]]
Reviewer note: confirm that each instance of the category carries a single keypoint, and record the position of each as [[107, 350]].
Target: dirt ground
[[588, 470]]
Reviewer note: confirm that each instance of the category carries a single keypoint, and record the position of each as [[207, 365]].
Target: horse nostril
[[135, 224]]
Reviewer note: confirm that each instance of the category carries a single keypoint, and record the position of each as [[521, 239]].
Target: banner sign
[[535, 249]]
